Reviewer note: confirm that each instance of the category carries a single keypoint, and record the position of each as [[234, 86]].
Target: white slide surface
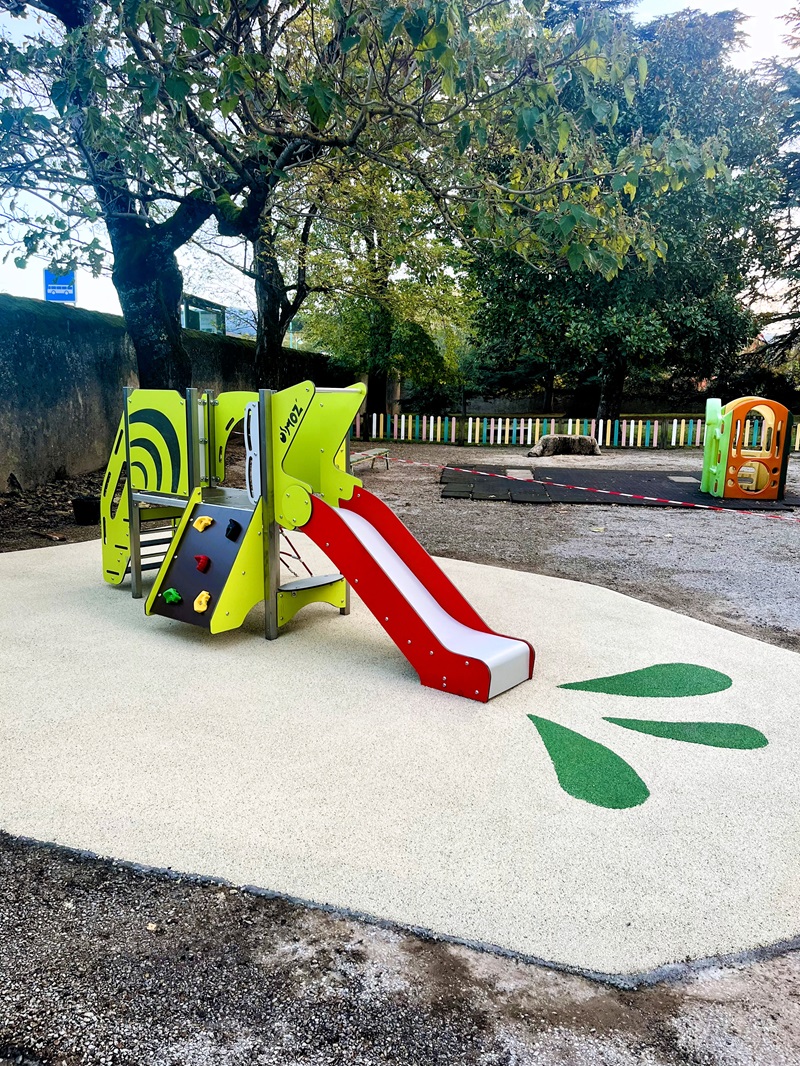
[[507, 659]]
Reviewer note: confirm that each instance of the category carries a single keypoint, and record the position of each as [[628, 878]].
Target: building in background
[[210, 317], [205, 315]]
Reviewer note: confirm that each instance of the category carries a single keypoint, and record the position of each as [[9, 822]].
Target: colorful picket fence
[[525, 430]]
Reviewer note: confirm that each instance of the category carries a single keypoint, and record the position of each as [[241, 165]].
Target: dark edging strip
[[670, 972]]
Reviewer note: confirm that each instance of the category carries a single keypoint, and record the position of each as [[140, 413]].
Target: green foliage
[[495, 121], [785, 314], [364, 336], [680, 313], [495, 125], [414, 355]]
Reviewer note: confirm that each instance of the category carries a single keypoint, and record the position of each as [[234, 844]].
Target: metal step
[[154, 565], [315, 582]]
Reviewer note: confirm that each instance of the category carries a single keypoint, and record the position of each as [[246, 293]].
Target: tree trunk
[[274, 313], [377, 390], [393, 387], [269, 371], [549, 391], [379, 342], [612, 382], [149, 284]]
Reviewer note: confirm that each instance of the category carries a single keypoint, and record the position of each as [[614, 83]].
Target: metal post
[[192, 439], [211, 440], [134, 517], [270, 526]]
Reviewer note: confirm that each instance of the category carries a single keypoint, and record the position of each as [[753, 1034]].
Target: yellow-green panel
[[293, 508], [229, 411], [158, 445], [196, 497], [289, 603], [245, 585], [336, 411], [309, 429], [114, 525], [289, 410]]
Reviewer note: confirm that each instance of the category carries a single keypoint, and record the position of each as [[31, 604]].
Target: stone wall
[[62, 371]]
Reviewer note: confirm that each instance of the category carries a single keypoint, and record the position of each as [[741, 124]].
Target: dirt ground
[[100, 963]]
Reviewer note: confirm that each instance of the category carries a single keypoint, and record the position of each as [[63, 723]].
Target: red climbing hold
[[203, 563]]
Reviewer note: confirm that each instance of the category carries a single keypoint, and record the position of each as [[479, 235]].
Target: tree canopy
[[684, 314], [785, 80], [153, 118]]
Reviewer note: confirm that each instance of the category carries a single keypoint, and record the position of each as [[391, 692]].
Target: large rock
[[564, 444]]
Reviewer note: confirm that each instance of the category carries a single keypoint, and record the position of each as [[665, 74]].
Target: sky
[[765, 32], [764, 27]]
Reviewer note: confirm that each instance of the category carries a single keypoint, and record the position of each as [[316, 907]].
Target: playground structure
[[220, 554], [746, 449]]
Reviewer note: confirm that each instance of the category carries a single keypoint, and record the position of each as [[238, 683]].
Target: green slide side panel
[[289, 603], [719, 420], [245, 585], [718, 481], [195, 498], [227, 415], [158, 442], [114, 524], [309, 430], [711, 451]]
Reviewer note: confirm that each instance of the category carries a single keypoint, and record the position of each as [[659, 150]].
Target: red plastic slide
[[441, 635]]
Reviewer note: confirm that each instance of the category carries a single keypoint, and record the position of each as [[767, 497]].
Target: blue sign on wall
[[59, 287]]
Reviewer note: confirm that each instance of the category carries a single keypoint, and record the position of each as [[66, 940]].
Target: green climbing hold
[[665, 680], [713, 734], [172, 596], [590, 771]]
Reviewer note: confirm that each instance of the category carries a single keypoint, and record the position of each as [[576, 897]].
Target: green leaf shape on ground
[[590, 771], [713, 734], [664, 680]]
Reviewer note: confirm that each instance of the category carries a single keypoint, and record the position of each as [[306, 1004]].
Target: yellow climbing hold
[[202, 522], [201, 603]]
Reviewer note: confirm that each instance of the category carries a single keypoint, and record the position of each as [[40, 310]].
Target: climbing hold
[[172, 596], [202, 522], [201, 603], [203, 563], [233, 529]]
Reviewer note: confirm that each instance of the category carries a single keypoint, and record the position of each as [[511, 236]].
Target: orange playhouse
[[747, 449]]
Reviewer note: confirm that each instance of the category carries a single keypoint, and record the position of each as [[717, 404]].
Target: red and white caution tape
[[605, 492]]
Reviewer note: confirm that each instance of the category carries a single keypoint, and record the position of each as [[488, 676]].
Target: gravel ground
[[103, 964], [106, 965]]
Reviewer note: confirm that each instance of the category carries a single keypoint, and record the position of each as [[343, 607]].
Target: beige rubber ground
[[319, 767]]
